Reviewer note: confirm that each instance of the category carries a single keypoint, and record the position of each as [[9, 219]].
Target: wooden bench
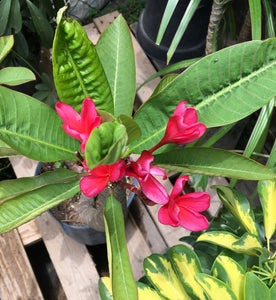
[[72, 261]]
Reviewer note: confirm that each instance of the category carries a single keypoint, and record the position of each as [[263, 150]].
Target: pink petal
[[198, 201], [180, 109], [154, 190], [117, 171], [158, 172], [145, 160], [69, 116], [178, 186], [164, 217], [92, 186], [73, 133], [89, 117], [192, 221], [190, 116]]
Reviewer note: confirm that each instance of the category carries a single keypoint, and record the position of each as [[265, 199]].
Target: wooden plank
[[144, 68], [23, 166], [73, 264], [17, 280], [29, 233], [92, 32]]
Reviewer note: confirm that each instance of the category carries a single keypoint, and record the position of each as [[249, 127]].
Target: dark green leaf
[[5, 6], [15, 17], [78, 72]]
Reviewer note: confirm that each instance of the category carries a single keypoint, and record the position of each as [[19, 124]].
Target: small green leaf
[[214, 288], [106, 144], [5, 7], [123, 283], [6, 44], [115, 51], [230, 272], [248, 243], [273, 292], [78, 72], [132, 128], [160, 273], [42, 25], [213, 162], [105, 288], [239, 206], [255, 289], [15, 75], [267, 194]]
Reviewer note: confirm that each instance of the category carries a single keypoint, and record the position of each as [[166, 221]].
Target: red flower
[[79, 126], [99, 177], [144, 172], [184, 210], [182, 127]]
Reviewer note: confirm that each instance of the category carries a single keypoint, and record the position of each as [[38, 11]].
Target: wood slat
[[17, 280], [73, 264], [29, 233]]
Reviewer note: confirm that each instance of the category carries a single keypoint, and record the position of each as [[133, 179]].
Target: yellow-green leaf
[[187, 265], [248, 243], [147, 293], [160, 273], [215, 289], [229, 271], [239, 206], [267, 193]]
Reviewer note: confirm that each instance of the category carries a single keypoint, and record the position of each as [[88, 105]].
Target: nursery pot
[[193, 41], [85, 234]]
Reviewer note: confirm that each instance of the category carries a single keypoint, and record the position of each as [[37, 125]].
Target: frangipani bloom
[[99, 177], [183, 210], [182, 127], [79, 126], [144, 172]]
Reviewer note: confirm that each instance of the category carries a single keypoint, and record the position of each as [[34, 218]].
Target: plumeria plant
[[94, 126]]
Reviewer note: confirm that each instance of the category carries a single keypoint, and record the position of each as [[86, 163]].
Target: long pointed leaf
[[26, 207], [224, 87], [256, 19], [116, 54], [213, 162], [77, 70], [6, 150], [123, 283], [33, 129]]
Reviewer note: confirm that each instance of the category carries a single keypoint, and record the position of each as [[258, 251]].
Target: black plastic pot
[[193, 41], [84, 234]]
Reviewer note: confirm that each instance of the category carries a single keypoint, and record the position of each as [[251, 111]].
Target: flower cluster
[[176, 210]]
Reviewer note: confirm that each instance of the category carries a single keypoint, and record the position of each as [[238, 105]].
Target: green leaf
[[132, 128], [42, 25], [115, 51], [6, 150], [267, 194], [5, 7], [256, 18], [33, 129], [147, 293], [105, 288], [229, 271], [273, 292], [15, 75], [10, 189], [224, 87], [214, 288], [213, 162], [239, 206], [77, 70], [186, 265], [248, 243], [190, 10], [255, 289], [6, 44], [15, 17], [106, 144], [30, 197], [161, 275], [123, 283]]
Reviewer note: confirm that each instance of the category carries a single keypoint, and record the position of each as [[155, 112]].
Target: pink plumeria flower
[[79, 126], [145, 172], [183, 210], [99, 177], [182, 127]]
